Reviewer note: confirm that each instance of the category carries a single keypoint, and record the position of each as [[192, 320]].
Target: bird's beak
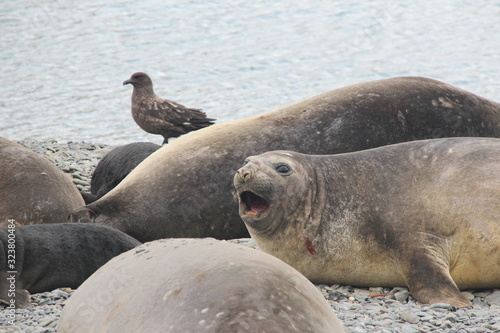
[[127, 82]]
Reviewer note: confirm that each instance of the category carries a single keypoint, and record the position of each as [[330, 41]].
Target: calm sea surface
[[63, 62]]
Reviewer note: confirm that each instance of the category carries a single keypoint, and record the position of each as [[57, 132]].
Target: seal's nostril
[[245, 175]]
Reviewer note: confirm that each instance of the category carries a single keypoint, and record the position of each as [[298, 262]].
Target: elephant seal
[[115, 166], [33, 190], [50, 256], [184, 188], [422, 214], [197, 285]]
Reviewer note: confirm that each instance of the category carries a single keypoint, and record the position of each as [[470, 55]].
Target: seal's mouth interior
[[254, 204]]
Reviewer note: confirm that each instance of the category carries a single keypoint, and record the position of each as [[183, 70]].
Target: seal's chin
[[253, 205]]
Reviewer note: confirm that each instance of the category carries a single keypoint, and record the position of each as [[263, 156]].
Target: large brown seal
[[38, 258], [423, 214], [33, 190], [197, 285], [183, 189]]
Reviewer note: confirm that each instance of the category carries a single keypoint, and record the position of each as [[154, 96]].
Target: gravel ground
[[360, 309]]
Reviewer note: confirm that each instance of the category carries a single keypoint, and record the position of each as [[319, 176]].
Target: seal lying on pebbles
[[33, 190], [195, 285], [161, 116], [49, 256], [183, 189], [423, 214], [115, 166]]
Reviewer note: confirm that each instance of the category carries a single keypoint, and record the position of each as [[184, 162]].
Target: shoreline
[[361, 310]]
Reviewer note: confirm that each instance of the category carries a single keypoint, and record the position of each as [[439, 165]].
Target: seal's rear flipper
[[22, 299], [429, 280]]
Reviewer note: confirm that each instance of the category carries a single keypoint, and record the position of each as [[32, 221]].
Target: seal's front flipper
[[429, 280]]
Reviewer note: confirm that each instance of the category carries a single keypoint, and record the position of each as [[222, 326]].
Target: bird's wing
[[178, 114]]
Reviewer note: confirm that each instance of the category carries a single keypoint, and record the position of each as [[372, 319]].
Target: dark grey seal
[[50, 256], [115, 166]]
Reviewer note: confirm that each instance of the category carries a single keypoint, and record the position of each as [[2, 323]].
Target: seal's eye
[[282, 168], [245, 162]]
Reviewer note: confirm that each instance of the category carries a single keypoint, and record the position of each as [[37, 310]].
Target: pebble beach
[[361, 310]]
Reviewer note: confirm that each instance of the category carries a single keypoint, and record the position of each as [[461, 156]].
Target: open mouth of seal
[[253, 204]]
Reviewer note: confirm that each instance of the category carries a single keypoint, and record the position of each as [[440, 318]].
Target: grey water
[[63, 62]]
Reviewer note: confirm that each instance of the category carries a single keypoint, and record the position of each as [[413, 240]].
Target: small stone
[[478, 301], [64, 168], [468, 295], [48, 322], [495, 327], [445, 306], [376, 290], [77, 181], [435, 322], [362, 292], [42, 330], [77, 175], [447, 324], [451, 317], [336, 295], [409, 317], [426, 318], [402, 295], [358, 307], [494, 298], [381, 323], [408, 329], [59, 293]]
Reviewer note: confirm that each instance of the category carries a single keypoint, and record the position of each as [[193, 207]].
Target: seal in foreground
[[50, 256], [156, 115], [422, 214], [197, 285]]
